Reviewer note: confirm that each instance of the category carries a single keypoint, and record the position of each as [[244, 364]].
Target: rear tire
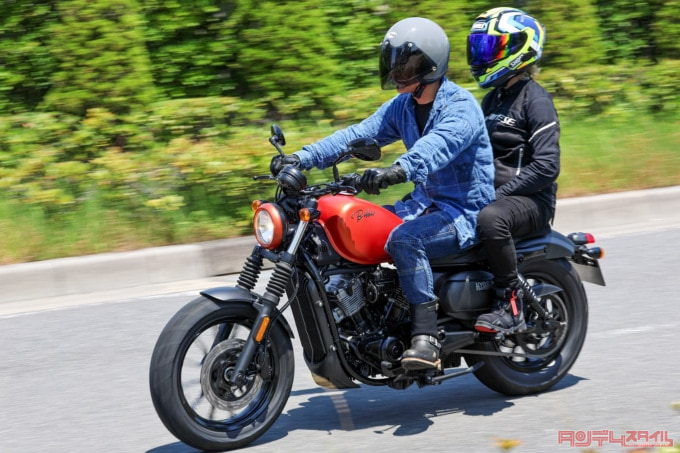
[[194, 352], [523, 376]]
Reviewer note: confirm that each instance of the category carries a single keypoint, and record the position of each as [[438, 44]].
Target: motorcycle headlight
[[269, 225]]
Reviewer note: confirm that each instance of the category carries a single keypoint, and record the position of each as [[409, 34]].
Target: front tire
[[522, 376], [194, 353]]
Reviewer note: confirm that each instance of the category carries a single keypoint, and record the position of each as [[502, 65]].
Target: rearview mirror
[[364, 149], [277, 135]]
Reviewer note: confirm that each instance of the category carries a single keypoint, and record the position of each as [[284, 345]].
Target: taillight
[[581, 238]]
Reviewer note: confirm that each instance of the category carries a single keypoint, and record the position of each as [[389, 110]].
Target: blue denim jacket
[[451, 164]]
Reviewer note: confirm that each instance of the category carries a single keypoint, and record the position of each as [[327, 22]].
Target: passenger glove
[[375, 179], [278, 162]]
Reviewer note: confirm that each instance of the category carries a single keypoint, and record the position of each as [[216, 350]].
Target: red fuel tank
[[357, 229]]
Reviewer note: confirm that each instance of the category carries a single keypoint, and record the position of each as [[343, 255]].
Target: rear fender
[[555, 245], [551, 246], [228, 294]]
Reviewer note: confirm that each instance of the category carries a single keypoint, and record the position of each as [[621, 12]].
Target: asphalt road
[[74, 377]]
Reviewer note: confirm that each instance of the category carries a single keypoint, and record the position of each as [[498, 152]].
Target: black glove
[[352, 180], [375, 179], [278, 162]]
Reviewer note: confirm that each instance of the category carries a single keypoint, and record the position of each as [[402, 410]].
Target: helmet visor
[[404, 65], [484, 50]]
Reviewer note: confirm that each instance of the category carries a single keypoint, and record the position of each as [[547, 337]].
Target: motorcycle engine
[[379, 290], [347, 293], [371, 313]]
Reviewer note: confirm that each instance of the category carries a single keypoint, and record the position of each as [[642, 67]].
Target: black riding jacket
[[525, 132]]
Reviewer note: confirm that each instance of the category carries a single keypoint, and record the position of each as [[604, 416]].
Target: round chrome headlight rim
[[269, 226]]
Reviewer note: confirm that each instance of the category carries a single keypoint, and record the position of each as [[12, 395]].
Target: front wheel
[[193, 357], [558, 347]]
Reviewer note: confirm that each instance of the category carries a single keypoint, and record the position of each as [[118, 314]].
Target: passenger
[[504, 45]]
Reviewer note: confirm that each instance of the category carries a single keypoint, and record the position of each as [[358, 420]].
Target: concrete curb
[[621, 212], [107, 271], [600, 214]]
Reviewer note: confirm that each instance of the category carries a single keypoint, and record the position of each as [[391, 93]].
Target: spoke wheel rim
[[541, 343], [205, 392]]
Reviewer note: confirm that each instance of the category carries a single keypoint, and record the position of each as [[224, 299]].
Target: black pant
[[499, 222]]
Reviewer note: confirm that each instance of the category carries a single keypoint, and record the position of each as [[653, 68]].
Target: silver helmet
[[414, 50]]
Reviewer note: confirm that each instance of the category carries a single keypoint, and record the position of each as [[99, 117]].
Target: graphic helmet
[[502, 43]]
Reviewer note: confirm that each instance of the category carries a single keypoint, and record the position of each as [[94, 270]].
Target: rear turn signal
[[595, 252]]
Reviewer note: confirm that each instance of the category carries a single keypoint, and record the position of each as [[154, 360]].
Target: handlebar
[[352, 180], [347, 183]]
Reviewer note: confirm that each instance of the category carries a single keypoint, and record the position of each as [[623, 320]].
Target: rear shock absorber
[[528, 290], [530, 296]]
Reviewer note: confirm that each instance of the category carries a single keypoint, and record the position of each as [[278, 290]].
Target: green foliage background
[[126, 123]]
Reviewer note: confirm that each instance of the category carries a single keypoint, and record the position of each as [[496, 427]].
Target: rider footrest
[[443, 377]]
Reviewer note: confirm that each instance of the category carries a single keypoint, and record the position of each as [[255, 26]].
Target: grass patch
[[618, 154]]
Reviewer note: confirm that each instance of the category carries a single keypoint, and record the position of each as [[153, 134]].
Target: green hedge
[[613, 90], [156, 113], [198, 156], [289, 57]]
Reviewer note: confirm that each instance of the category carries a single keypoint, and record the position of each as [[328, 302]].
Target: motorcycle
[[222, 369]]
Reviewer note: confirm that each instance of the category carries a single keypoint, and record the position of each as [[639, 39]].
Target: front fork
[[267, 303]]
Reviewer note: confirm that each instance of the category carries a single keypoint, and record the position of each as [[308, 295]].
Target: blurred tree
[[192, 46], [357, 27], [101, 58], [625, 29], [285, 56], [26, 63], [666, 29], [572, 32], [282, 58]]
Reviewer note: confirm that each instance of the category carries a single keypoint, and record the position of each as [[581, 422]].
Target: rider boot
[[424, 351], [508, 314]]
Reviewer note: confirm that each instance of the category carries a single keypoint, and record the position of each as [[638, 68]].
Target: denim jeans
[[431, 235]]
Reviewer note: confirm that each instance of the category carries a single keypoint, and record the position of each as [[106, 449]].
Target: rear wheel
[[193, 357], [558, 346]]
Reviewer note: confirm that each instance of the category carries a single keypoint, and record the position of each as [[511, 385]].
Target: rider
[[448, 158], [504, 45]]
